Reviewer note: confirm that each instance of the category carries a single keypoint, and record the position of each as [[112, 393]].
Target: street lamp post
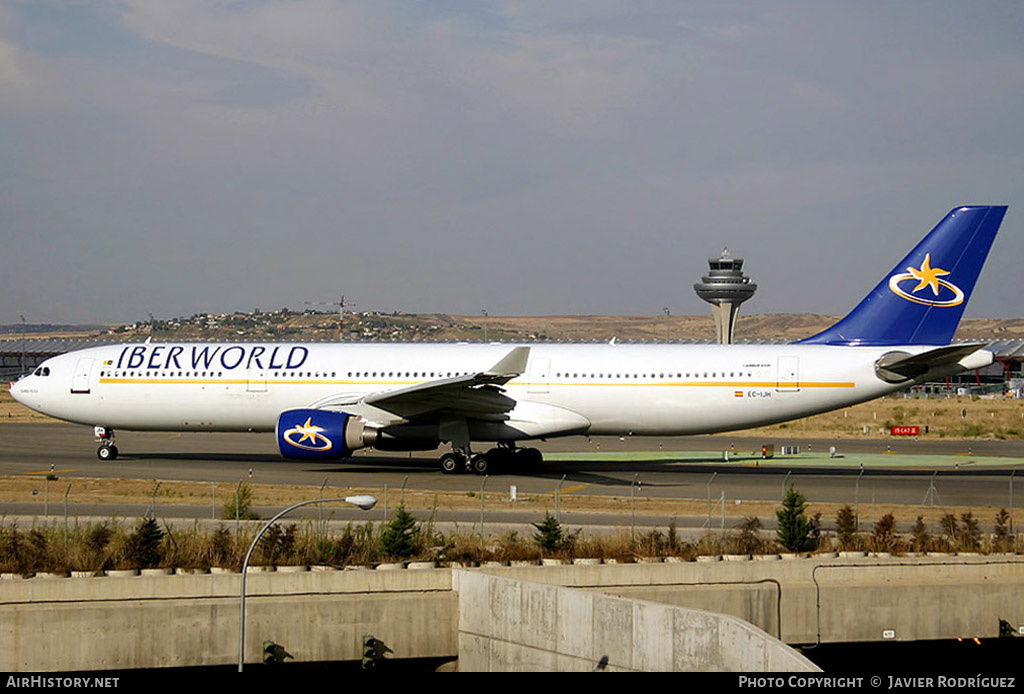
[[364, 502], [21, 366]]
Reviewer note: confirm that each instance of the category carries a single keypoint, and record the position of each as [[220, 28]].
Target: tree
[[400, 538], [239, 505], [549, 535], [795, 532], [142, 547]]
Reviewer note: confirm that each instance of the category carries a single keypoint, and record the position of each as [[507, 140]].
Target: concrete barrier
[[826, 600], [96, 623], [511, 625], [189, 620]]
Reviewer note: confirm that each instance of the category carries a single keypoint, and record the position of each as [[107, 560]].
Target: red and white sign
[[905, 431]]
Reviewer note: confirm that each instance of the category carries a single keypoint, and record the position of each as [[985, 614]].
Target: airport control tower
[[725, 287]]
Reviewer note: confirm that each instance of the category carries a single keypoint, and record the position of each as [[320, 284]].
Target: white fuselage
[[595, 389]]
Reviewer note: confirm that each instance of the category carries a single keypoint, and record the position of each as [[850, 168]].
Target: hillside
[[374, 326]]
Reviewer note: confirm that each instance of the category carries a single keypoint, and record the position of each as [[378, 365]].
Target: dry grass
[[987, 418], [128, 491]]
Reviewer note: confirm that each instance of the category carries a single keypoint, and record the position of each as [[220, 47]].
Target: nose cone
[[15, 388], [30, 390]]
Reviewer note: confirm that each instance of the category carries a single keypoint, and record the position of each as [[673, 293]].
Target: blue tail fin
[[921, 301]]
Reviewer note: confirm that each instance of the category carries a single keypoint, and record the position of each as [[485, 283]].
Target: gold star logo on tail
[[927, 276]]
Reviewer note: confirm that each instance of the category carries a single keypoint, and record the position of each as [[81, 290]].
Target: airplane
[[326, 400]]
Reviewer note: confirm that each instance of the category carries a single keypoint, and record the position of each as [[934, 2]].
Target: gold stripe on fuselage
[[676, 384]]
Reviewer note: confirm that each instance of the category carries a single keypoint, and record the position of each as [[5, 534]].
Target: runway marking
[[577, 488], [48, 472]]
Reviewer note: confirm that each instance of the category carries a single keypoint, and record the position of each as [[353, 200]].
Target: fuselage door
[[789, 375], [540, 376], [83, 370], [256, 381]]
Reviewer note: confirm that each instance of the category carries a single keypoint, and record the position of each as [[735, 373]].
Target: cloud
[[307, 144], [11, 73]]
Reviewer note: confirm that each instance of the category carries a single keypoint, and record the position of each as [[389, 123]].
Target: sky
[[517, 157]]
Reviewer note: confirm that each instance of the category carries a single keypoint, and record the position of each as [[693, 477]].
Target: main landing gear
[[492, 462], [107, 449]]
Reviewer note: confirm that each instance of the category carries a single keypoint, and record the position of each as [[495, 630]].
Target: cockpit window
[[42, 371]]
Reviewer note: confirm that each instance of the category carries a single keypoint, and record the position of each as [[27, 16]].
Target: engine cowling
[[322, 434]]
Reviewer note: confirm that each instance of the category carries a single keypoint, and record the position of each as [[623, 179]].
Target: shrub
[[950, 528], [749, 540], [91, 552], [277, 544], [651, 544], [11, 554], [1002, 531], [883, 538], [846, 528], [919, 534], [970, 537]]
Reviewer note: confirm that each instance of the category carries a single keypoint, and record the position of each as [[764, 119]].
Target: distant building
[[725, 287]]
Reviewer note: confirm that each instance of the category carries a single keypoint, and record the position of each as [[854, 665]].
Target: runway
[[939, 471]]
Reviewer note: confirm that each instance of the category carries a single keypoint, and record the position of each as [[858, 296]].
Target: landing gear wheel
[[529, 458], [499, 459], [481, 465], [452, 463], [107, 452]]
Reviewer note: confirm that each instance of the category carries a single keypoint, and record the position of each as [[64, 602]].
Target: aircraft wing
[[477, 395]]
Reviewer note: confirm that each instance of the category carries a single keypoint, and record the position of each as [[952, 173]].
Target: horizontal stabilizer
[[895, 367]]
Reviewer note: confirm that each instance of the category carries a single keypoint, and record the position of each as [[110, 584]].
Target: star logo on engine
[[309, 432]]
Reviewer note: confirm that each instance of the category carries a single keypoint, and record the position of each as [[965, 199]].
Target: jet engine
[[322, 434]]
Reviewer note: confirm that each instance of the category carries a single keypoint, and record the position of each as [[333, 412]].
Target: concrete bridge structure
[[732, 613]]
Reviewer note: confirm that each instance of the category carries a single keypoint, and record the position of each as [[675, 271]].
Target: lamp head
[[363, 501]]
